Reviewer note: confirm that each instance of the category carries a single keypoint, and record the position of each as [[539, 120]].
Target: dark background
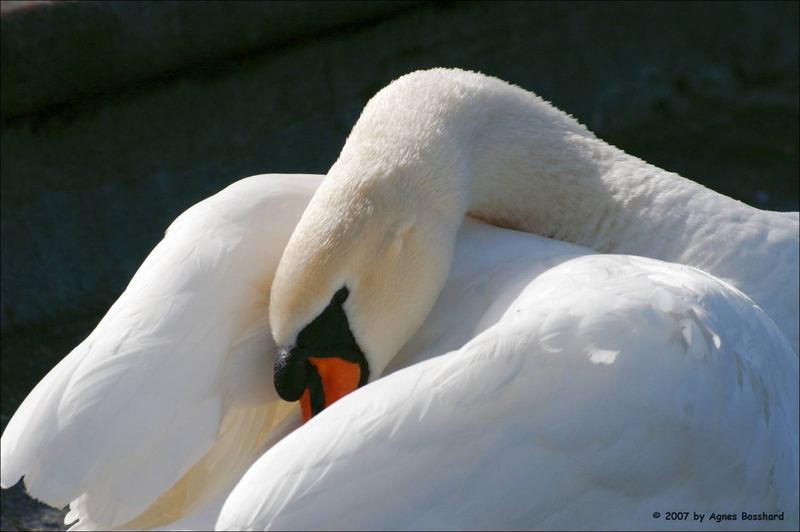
[[118, 116]]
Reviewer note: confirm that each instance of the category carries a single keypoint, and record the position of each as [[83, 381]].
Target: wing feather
[[132, 411]]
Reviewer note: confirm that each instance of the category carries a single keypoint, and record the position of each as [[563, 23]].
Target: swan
[[495, 343], [370, 257]]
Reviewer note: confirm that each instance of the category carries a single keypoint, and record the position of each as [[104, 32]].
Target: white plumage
[[549, 386], [178, 370], [582, 391]]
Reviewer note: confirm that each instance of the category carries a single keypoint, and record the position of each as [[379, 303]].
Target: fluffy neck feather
[[462, 143]]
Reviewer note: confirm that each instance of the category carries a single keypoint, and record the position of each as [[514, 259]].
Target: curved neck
[[462, 143]]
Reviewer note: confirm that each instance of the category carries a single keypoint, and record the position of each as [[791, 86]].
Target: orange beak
[[339, 377]]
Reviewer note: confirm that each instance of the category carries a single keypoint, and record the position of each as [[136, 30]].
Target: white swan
[[159, 411], [599, 373]]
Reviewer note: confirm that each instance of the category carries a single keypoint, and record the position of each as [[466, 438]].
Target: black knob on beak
[[291, 375]]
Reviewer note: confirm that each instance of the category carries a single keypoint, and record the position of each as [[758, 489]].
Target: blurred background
[[117, 116]]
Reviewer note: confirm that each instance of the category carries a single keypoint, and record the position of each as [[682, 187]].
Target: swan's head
[[359, 275]]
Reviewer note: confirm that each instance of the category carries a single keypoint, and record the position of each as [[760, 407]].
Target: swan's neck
[[463, 143], [574, 187]]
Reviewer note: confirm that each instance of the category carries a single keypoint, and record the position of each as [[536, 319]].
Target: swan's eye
[[325, 364]]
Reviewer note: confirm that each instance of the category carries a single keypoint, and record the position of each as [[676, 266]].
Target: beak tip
[[291, 375]]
